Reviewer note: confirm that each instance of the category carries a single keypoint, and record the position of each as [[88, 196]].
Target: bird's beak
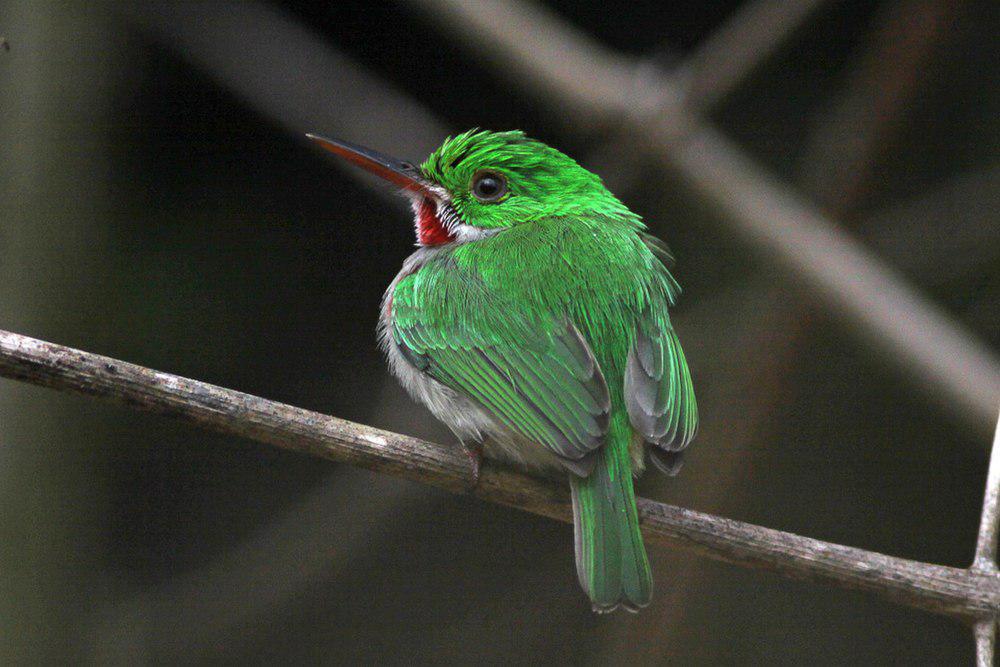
[[400, 173]]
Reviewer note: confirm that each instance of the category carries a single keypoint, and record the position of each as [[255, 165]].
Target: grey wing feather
[[669, 463], [659, 394]]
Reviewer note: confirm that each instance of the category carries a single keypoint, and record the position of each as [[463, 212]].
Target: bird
[[532, 320]]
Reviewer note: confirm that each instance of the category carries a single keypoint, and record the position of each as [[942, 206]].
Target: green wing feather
[[537, 376]]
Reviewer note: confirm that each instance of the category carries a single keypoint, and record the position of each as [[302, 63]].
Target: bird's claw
[[475, 453]]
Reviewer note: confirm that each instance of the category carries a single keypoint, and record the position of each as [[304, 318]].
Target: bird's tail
[[610, 557]]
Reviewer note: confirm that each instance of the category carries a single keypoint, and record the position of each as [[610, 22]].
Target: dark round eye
[[488, 186]]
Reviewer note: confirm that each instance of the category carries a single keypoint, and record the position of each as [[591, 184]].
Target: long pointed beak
[[395, 171]]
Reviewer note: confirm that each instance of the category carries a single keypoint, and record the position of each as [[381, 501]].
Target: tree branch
[[731, 54], [968, 594], [985, 562], [986, 545], [986, 639]]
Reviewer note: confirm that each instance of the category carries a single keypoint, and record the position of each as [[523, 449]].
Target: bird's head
[[479, 183]]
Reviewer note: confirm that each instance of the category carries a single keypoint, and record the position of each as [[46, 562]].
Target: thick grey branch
[[969, 594]]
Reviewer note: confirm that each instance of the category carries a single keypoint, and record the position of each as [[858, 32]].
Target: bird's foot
[[475, 453]]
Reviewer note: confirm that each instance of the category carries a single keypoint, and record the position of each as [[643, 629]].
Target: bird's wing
[[535, 374], [659, 394]]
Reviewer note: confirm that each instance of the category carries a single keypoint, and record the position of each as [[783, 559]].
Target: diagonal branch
[[731, 55], [969, 594]]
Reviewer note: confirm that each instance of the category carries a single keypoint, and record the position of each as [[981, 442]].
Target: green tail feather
[[610, 557]]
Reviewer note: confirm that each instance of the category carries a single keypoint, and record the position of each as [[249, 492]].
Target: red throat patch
[[430, 229]]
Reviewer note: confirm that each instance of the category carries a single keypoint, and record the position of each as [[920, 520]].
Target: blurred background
[[159, 204]]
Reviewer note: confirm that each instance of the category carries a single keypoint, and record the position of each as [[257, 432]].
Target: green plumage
[[546, 314]]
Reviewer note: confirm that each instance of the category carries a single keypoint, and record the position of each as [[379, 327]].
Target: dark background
[[160, 206]]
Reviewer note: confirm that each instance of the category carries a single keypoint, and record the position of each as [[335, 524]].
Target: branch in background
[[770, 217], [968, 594], [738, 48], [965, 201], [292, 76], [856, 129]]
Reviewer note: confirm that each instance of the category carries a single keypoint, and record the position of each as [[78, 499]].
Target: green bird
[[533, 321]]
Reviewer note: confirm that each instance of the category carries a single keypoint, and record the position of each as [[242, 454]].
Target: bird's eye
[[489, 186]]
